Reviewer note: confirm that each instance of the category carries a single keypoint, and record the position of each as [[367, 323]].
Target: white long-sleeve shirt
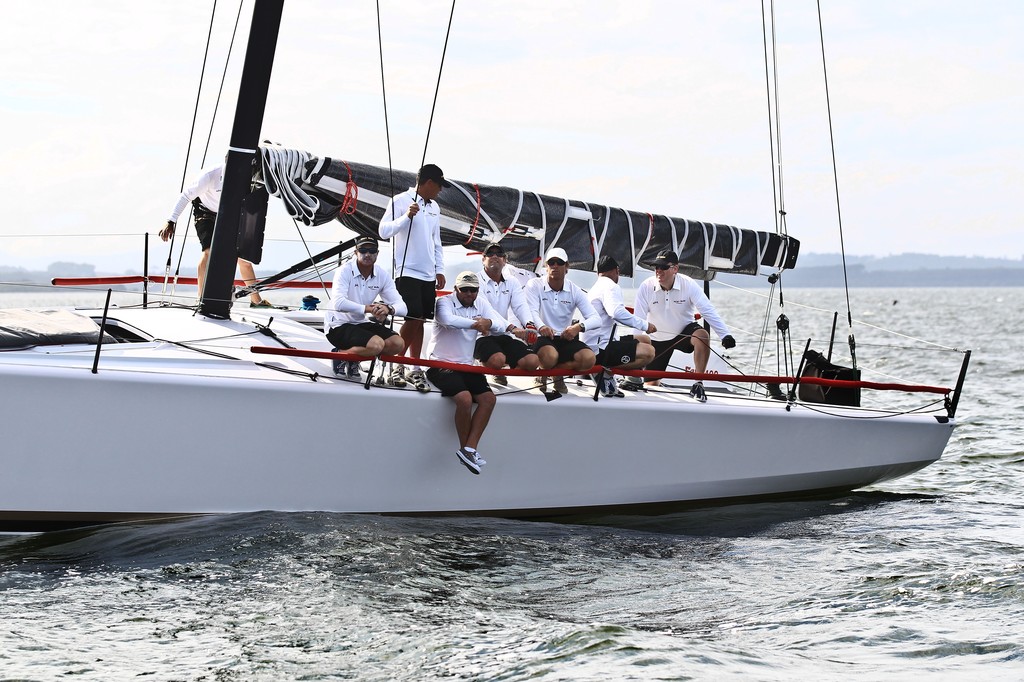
[[555, 308], [504, 295], [672, 310], [453, 338], [352, 292], [424, 257], [207, 187], [606, 297]]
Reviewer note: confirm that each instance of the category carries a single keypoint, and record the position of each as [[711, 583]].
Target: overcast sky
[[651, 106]]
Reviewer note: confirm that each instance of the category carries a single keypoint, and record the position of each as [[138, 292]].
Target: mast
[[244, 145]]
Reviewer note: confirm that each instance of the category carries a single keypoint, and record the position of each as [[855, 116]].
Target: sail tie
[[351, 200]]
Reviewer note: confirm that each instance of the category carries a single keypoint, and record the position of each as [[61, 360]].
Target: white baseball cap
[[556, 252]]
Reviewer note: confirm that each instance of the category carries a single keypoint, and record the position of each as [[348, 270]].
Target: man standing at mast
[[412, 221]]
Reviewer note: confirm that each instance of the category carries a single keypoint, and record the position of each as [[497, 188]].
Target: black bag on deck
[[815, 365]]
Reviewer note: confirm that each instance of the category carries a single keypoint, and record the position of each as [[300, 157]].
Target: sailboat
[[81, 430]]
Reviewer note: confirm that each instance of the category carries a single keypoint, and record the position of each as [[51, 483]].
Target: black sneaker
[[697, 392], [631, 384], [353, 371], [468, 460]]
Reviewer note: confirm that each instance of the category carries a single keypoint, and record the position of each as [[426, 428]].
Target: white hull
[[163, 430]]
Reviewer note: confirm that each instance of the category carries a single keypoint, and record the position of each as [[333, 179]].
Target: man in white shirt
[[358, 284], [460, 318], [412, 220], [504, 294], [671, 301], [553, 300], [625, 352], [204, 194]]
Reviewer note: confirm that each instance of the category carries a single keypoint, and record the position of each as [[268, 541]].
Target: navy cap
[[667, 257], [607, 263], [432, 172]]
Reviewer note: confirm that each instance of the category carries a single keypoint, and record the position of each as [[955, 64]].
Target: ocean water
[[919, 576]]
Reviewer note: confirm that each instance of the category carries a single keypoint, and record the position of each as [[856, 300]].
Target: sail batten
[[314, 190]]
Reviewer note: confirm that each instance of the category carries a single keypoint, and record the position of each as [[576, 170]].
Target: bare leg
[[701, 349], [485, 403], [204, 261], [412, 334], [463, 416], [249, 277]]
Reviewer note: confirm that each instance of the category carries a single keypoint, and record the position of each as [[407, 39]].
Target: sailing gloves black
[[728, 341]]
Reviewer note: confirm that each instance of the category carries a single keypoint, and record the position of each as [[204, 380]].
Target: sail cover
[[317, 190]]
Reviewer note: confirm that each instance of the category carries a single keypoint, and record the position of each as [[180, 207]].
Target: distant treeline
[[858, 276]]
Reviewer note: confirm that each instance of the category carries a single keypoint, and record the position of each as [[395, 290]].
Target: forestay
[[317, 190]]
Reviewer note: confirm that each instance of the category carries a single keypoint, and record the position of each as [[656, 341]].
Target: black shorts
[[663, 349], [514, 349], [619, 352], [419, 296], [452, 382], [566, 349], [347, 336], [205, 220]]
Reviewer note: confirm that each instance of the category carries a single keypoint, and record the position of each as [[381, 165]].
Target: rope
[[351, 200], [476, 220]]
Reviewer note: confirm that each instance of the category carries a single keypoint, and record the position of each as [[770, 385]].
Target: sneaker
[[468, 460], [542, 382], [340, 367], [397, 376], [559, 384], [417, 379], [264, 303], [476, 453], [697, 392], [499, 380], [631, 384], [353, 371], [610, 387]]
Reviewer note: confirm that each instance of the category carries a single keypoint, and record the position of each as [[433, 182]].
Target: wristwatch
[[582, 328]]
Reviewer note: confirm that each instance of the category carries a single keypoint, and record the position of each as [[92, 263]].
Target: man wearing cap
[[671, 300], [504, 294], [625, 352], [412, 220], [553, 300], [357, 286], [461, 317]]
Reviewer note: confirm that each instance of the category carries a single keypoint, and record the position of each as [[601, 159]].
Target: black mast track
[[241, 156]]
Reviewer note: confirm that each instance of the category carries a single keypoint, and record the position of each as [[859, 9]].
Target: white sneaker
[[476, 453], [417, 379], [397, 376]]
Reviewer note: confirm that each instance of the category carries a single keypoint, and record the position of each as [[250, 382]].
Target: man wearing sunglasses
[[358, 284], [460, 319], [670, 301], [553, 300], [504, 294]]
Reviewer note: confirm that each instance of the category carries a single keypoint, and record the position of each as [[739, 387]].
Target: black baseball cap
[[366, 240], [494, 246], [432, 172], [607, 263], [666, 257]]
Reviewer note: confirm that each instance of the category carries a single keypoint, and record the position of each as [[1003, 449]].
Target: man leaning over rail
[[459, 318], [357, 286], [671, 300], [627, 351], [553, 300]]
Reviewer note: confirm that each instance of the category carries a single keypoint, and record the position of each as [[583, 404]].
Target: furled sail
[[317, 190]]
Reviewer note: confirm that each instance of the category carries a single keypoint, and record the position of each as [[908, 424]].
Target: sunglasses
[[495, 254], [367, 250], [662, 267], [469, 290], [556, 261]]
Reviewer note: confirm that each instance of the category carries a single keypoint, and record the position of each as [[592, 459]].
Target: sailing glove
[[728, 341]]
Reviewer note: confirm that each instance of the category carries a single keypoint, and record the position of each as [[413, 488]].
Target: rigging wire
[[213, 120], [188, 149], [835, 178]]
